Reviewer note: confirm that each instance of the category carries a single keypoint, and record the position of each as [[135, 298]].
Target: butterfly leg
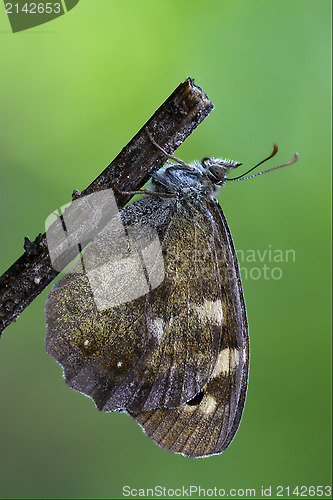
[[143, 191], [170, 156]]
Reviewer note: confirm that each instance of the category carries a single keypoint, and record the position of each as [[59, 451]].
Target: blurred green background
[[73, 92]]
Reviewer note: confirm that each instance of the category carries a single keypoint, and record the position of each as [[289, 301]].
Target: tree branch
[[170, 125]]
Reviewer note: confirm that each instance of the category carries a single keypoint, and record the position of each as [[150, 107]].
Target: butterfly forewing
[[161, 348]]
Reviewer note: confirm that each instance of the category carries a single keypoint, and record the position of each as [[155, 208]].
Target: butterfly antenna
[[294, 160], [273, 153], [275, 150]]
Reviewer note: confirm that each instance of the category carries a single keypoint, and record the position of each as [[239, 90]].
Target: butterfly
[[153, 321]]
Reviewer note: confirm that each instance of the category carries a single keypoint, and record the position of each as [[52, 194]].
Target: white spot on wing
[[227, 361], [208, 405], [156, 326], [211, 310]]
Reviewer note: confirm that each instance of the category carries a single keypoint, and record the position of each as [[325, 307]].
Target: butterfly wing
[[159, 349], [207, 424]]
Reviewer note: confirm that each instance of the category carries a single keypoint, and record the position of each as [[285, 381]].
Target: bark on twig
[[170, 125]]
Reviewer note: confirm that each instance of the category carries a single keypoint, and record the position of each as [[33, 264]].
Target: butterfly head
[[215, 169]]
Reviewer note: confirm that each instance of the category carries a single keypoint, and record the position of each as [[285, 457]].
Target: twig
[[170, 125]]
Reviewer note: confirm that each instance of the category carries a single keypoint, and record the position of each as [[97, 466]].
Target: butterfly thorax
[[196, 180]]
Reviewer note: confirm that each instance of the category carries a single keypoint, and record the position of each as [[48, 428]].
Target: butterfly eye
[[216, 173]]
